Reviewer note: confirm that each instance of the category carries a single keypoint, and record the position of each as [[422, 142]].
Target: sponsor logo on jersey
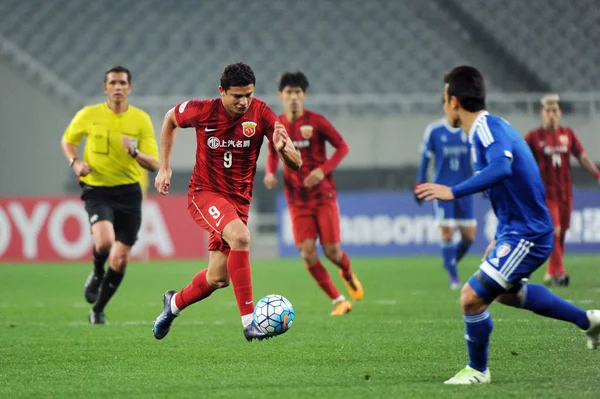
[[249, 128], [213, 142], [503, 250], [564, 139], [306, 131]]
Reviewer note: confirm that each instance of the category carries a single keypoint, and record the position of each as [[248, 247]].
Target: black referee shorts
[[120, 205]]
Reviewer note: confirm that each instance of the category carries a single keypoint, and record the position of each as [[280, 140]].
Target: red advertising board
[[57, 228]]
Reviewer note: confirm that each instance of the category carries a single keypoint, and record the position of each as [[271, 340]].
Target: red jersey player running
[[229, 134], [552, 146], [311, 193]]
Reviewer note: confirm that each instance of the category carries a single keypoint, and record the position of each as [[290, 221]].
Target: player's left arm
[[498, 155], [284, 147], [333, 136], [584, 160], [146, 152]]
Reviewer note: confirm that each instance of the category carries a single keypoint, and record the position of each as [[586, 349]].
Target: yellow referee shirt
[[111, 164]]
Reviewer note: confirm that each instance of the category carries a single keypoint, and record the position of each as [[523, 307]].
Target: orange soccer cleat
[[340, 308], [354, 287]]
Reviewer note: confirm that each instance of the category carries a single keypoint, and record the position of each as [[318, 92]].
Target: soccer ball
[[273, 315]]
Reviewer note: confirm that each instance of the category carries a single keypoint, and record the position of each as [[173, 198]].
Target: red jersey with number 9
[[227, 148], [552, 152]]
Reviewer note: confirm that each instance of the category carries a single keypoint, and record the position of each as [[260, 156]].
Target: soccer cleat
[[562, 280], [455, 284], [92, 287], [593, 333], [354, 287], [469, 375], [96, 317], [253, 332], [163, 322], [341, 308]]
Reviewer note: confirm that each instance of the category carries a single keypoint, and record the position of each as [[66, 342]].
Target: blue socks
[[449, 256], [478, 331], [542, 301], [461, 249]]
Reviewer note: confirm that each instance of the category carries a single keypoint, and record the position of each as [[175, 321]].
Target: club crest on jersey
[[503, 250], [249, 128], [564, 139], [306, 131]]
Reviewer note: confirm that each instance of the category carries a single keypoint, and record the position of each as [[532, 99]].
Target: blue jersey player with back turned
[[506, 170], [450, 149]]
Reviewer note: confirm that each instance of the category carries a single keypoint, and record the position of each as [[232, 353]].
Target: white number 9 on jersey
[[227, 159]]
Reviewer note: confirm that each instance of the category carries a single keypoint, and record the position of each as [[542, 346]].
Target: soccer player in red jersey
[[229, 134], [311, 192], [552, 146]]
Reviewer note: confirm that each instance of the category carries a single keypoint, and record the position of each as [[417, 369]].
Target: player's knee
[[118, 261], [334, 253], [104, 247], [240, 239], [446, 233], [309, 254], [470, 302], [557, 230]]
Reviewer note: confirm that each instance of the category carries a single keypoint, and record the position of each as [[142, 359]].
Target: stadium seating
[[558, 40], [376, 46]]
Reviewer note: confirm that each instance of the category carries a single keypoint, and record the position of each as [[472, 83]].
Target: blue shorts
[[510, 264], [458, 212]]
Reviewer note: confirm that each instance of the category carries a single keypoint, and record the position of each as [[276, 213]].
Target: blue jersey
[[519, 199], [450, 148]]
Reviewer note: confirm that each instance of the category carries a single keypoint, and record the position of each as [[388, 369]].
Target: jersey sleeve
[[187, 113], [531, 141], [493, 143], [576, 147], [147, 142], [333, 136], [77, 128], [269, 118]]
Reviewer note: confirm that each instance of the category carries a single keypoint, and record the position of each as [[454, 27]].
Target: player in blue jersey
[[506, 171], [450, 149]]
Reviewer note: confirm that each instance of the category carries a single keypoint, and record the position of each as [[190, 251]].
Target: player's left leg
[[563, 279], [328, 224], [467, 236]]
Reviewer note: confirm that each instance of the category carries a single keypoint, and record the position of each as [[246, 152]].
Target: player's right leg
[[449, 253], [466, 223]]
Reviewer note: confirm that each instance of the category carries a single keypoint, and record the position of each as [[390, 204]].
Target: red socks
[[555, 266], [323, 278], [196, 291], [238, 267], [344, 265]]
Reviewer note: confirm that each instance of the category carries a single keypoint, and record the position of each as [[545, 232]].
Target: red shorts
[[213, 212], [322, 222], [560, 210]]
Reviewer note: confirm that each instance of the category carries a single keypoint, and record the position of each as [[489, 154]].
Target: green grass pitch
[[402, 341]]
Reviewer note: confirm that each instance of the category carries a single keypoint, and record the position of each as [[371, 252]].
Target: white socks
[[339, 299], [174, 309], [247, 320]]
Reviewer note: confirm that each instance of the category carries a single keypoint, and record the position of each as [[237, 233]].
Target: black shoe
[[562, 281], [92, 287], [253, 332], [96, 317]]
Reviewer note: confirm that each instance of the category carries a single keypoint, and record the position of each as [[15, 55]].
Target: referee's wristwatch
[[72, 161], [136, 152]]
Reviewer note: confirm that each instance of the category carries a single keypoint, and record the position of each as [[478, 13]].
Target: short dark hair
[[118, 69], [237, 75], [467, 85], [293, 79]]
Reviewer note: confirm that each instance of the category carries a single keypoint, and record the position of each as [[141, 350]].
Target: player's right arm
[[531, 142], [168, 133], [71, 139]]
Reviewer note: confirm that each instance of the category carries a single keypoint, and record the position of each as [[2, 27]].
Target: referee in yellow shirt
[[120, 139]]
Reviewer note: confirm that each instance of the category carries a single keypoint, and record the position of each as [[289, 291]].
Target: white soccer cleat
[[593, 333], [468, 376]]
